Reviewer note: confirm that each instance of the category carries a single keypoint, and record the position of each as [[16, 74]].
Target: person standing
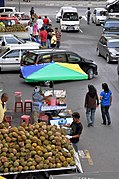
[[106, 102], [45, 22], [43, 37], [53, 40], [91, 102], [37, 99], [32, 12], [88, 14], [49, 31], [35, 31], [29, 28], [76, 130], [39, 22], [58, 37], [4, 99]]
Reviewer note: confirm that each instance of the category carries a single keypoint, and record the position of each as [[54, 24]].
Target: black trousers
[[105, 114]]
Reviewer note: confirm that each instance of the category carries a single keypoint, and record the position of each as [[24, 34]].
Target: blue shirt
[[105, 98]]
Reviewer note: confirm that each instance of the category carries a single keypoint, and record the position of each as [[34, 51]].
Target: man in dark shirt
[[49, 36], [76, 130]]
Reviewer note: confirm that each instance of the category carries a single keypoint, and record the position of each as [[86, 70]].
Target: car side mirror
[[80, 17], [3, 43]]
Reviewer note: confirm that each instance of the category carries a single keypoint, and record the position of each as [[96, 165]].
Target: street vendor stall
[[55, 103]]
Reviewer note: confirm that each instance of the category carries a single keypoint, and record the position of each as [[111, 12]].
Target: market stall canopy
[[53, 71]]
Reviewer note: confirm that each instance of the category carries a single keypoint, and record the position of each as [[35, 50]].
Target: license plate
[[70, 28]]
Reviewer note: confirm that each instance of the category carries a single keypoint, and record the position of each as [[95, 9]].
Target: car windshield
[[112, 25], [29, 59], [113, 44], [103, 13], [12, 40], [70, 16]]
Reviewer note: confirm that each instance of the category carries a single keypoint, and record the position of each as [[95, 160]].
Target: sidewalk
[[97, 3]]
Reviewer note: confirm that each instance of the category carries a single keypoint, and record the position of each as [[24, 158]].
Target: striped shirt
[[58, 35]]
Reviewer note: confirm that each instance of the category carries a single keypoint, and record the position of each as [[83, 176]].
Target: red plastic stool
[[18, 105], [8, 119], [27, 105], [25, 118]]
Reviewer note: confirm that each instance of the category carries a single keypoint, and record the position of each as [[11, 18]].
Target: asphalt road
[[99, 145]]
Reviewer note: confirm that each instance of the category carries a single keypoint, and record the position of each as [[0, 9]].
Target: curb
[[61, 3]]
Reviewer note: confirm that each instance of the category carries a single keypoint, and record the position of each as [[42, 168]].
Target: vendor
[[37, 99]]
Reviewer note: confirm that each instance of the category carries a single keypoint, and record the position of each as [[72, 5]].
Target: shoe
[[109, 123], [103, 123], [92, 125], [89, 124]]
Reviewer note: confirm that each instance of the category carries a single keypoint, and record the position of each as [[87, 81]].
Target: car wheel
[[98, 52], [90, 73], [107, 59]]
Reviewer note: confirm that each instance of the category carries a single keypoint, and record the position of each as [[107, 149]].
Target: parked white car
[[10, 58], [99, 15], [12, 40], [58, 15]]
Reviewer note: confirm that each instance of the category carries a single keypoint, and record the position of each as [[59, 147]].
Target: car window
[[112, 24], [8, 10], [44, 59], [1, 10], [72, 58], [29, 59], [11, 40], [1, 38], [59, 58], [103, 41], [12, 54], [113, 44]]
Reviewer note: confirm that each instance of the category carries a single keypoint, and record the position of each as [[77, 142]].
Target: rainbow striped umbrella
[[53, 71]]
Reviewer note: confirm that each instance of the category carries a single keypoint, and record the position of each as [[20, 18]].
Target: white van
[[58, 15], [10, 58], [70, 20]]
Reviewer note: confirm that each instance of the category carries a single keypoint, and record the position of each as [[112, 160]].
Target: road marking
[[81, 154], [80, 30], [88, 156]]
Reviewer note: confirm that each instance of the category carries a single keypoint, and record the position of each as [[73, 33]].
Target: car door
[[11, 61], [101, 46], [104, 47]]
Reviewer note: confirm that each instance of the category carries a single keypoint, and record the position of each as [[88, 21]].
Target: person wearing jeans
[[91, 102], [76, 130], [90, 114], [106, 101]]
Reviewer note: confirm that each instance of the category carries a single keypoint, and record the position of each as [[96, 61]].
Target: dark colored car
[[111, 26], [63, 56], [113, 6], [108, 47]]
